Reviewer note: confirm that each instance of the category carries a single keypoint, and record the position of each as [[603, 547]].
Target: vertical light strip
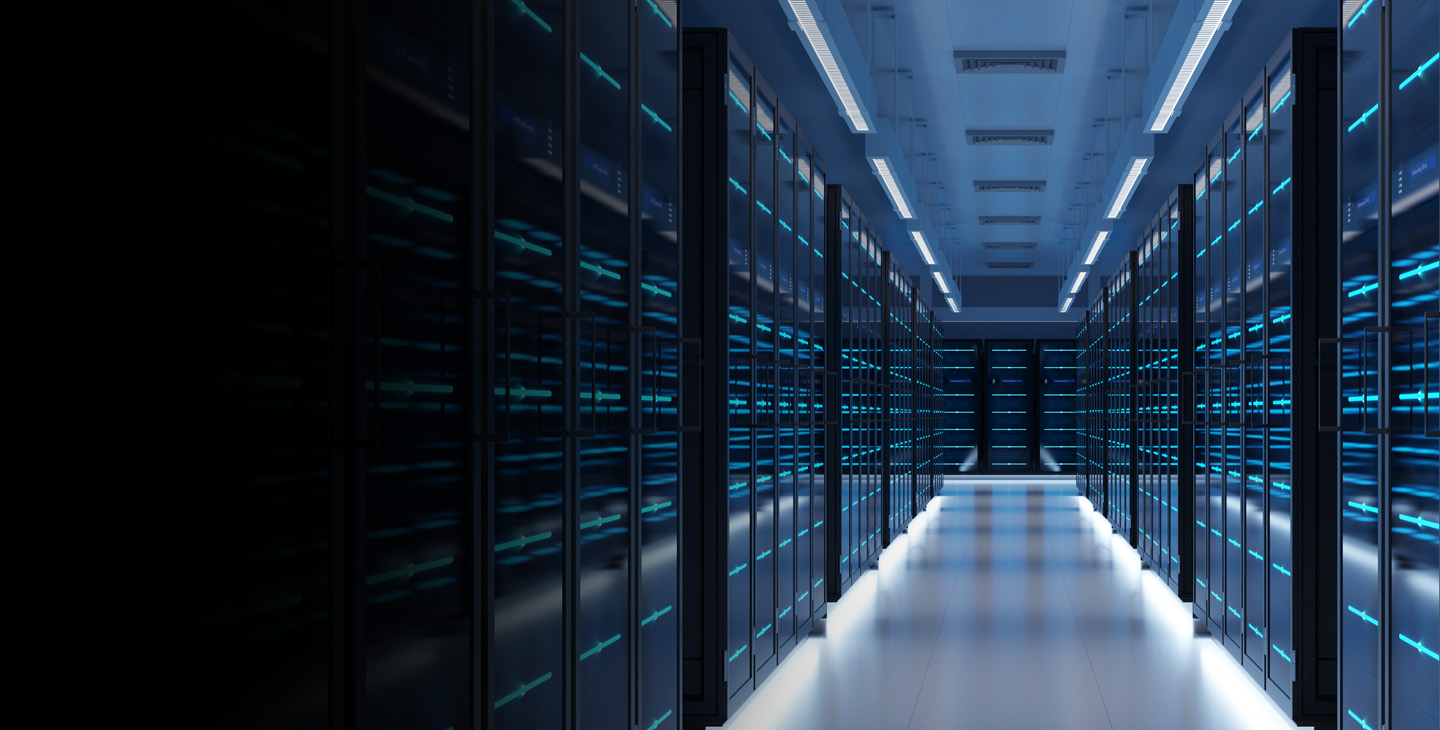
[[951, 302], [1066, 307], [1181, 83], [940, 281], [1079, 281], [821, 48]]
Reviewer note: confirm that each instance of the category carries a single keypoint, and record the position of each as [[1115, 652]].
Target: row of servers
[[1256, 383], [812, 448], [461, 427], [1009, 407]]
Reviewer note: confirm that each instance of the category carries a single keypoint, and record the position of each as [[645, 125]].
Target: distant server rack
[[1119, 399], [961, 407], [1009, 406], [1089, 369], [1165, 393], [1388, 350], [755, 546], [856, 337], [1055, 413], [901, 425]]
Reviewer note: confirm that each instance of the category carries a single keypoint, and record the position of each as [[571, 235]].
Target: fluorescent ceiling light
[[1100, 238], [940, 281], [1066, 306], [821, 48], [1079, 281], [892, 188], [951, 302], [924, 249], [1180, 85], [1127, 188]]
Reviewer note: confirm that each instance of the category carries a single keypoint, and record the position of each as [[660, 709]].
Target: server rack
[[961, 408], [929, 391], [1165, 385], [1118, 392], [1009, 406], [856, 330], [1090, 476], [755, 538], [1389, 464], [899, 429], [1055, 411], [407, 334], [1264, 554]]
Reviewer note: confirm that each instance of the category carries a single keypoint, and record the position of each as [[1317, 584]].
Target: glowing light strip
[[919, 239], [1133, 176], [1208, 30], [951, 301], [1079, 281], [1066, 306], [892, 188], [940, 282], [821, 49], [1362, 118], [1100, 238], [1420, 70]]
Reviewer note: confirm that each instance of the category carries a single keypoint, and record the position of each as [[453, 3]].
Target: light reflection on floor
[[1009, 605]]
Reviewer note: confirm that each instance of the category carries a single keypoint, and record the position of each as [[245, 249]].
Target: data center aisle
[[1009, 605]]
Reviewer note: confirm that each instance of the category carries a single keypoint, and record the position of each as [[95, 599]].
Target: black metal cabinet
[[1009, 406], [1055, 410], [754, 291], [1389, 462], [961, 406]]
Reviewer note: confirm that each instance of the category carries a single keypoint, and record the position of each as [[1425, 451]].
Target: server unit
[[1055, 412], [413, 494], [754, 553], [1090, 381], [1119, 399], [900, 429], [1386, 380], [961, 408], [1263, 536], [1009, 406], [856, 338], [1165, 384]]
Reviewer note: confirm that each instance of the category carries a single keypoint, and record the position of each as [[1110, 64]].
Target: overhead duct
[[1009, 220], [1012, 137], [1009, 186], [1009, 62]]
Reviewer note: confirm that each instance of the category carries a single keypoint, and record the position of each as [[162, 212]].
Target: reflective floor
[[1009, 605]]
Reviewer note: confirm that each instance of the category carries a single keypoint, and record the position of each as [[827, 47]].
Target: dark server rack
[[1165, 385], [856, 336], [1009, 445], [1056, 411], [752, 557], [1264, 550], [961, 409], [899, 426], [428, 323], [930, 472], [1089, 366], [1118, 392], [1386, 379]]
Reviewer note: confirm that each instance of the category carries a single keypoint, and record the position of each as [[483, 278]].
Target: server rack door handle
[[682, 383], [499, 296], [1381, 386], [1338, 390], [1427, 396], [573, 319], [831, 398]]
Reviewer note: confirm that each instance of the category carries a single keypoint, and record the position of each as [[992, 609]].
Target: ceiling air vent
[[1009, 186], [1009, 245], [1009, 264], [989, 137], [1009, 220], [1009, 62]]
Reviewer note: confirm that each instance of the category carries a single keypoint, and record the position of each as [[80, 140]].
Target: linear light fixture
[[1079, 281], [1100, 238], [886, 173], [820, 48], [940, 282], [1127, 188], [951, 302], [924, 248], [1216, 18], [1066, 306]]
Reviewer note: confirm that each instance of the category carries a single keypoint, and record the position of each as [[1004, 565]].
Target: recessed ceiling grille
[[989, 137], [1009, 62], [1009, 186], [1009, 245], [1009, 264], [1009, 220]]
